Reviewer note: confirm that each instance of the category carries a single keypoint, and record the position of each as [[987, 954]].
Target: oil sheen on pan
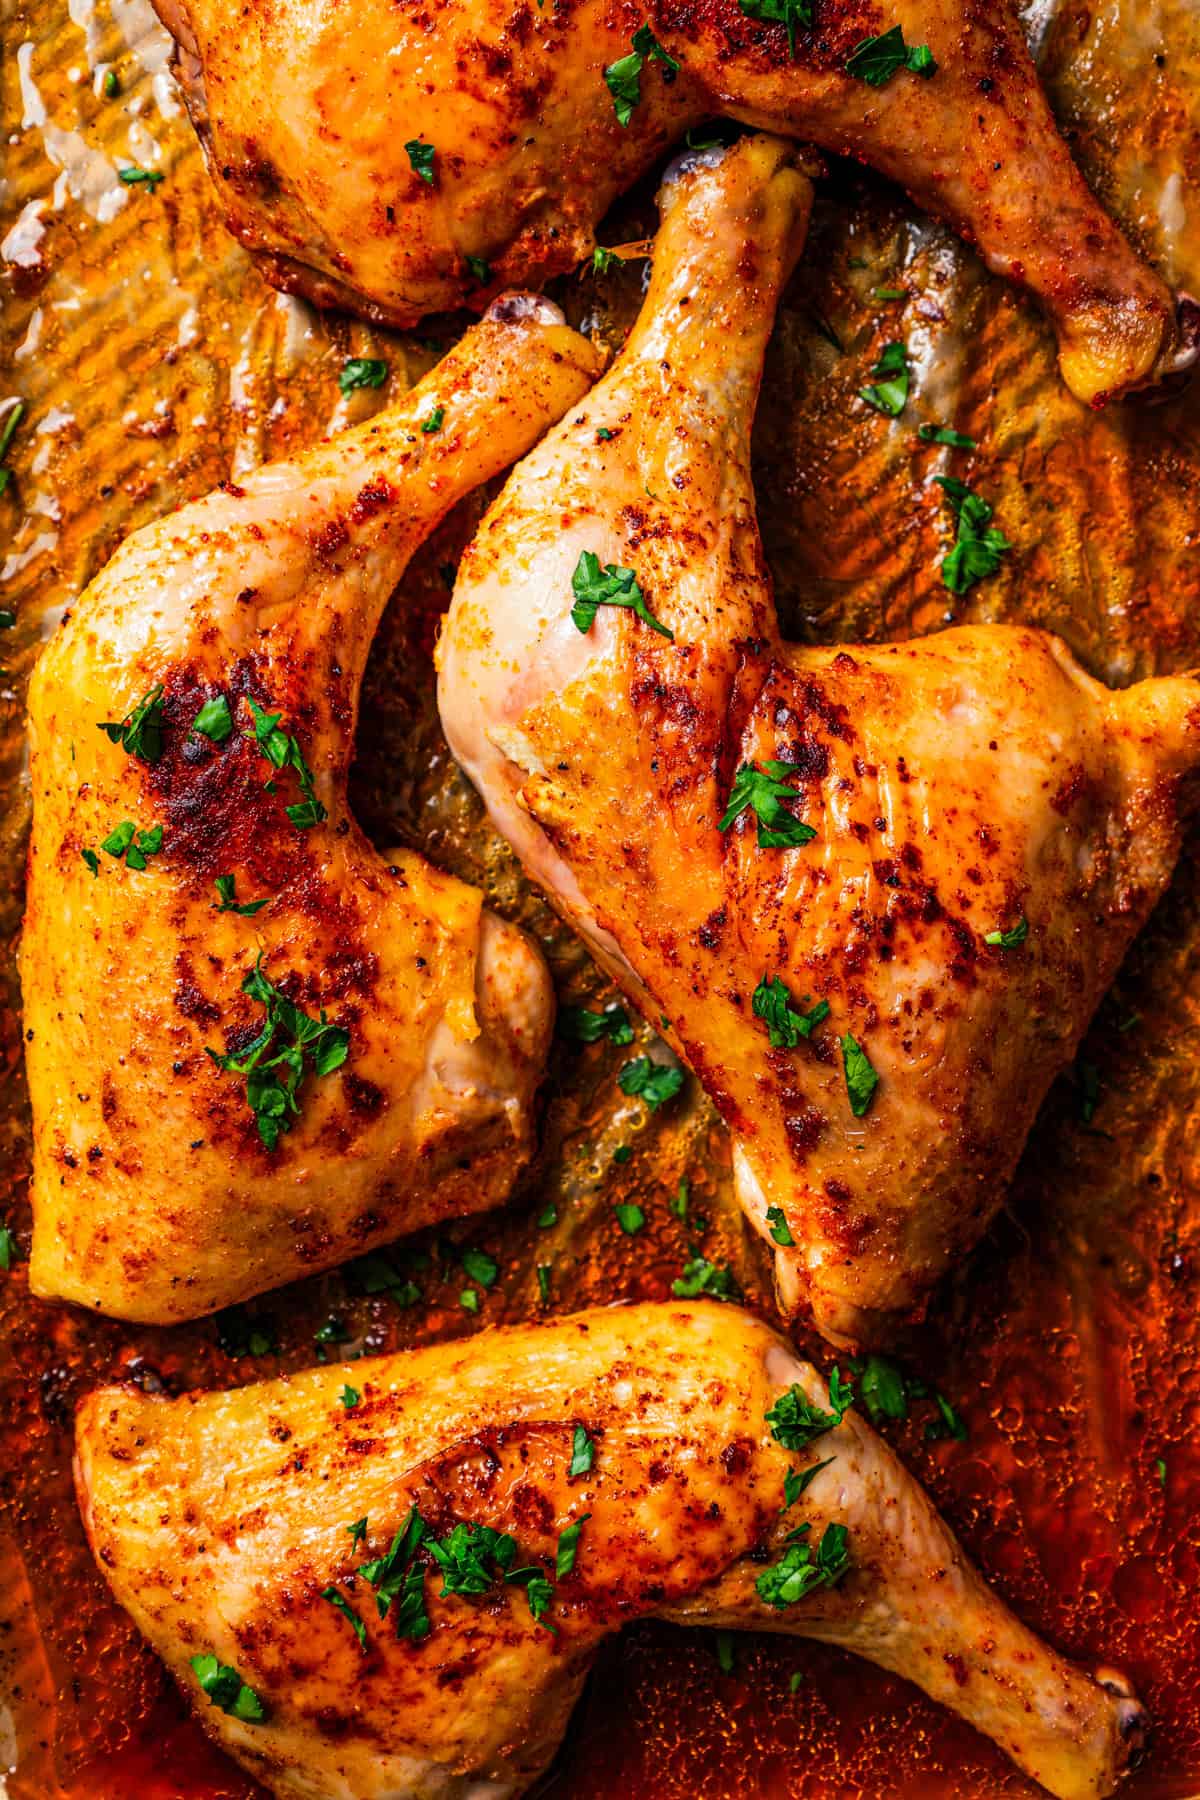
[[154, 363]]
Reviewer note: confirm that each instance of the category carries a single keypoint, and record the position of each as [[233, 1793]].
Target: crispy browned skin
[[153, 1196], [955, 784], [305, 107], [219, 1519]]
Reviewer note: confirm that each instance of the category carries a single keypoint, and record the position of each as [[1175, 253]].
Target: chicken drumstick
[[566, 1478], [255, 1046], [398, 159], [876, 892]]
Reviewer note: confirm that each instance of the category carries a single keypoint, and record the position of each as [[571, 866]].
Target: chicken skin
[[873, 895], [636, 1459], [256, 1046], [479, 143]]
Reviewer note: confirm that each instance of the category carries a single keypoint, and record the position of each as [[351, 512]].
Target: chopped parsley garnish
[[941, 434], [703, 1277], [412, 1619], [539, 1591], [362, 372], [583, 1454], [1088, 1077], [386, 1573], [587, 1027], [796, 1483], [92, 860], [358, 1532], [800, 1571], [623, 78], [434, 421], [777, 1221], [889, 391], [877, 59], [9, 1250], [763, 790], [948, 1425], [349, 1397], [979, 545], [795, 1421], [275, 1063], [655, 1083], [238, 1334], [226, 889], [125, 840], [724, 1651], [622, 1153], [333, 1331], [611, 585], [602, 262], [861, 1079], [347, 1611], [226, 1689], [603, 434], [480, 1267], [283, 751], [140, 734], [785, 1026], [375, 1274], [795, 1681], [469, 1300], [420, 159], [135, 177], [112, 85], [547, 1218], [891, 293], [1008, 940], [568, 1546], [214, 720], [463, 1556], [1160, 1466], [542, 1271], [630, 1218], [885, 1389], [480, 268], [677, 1205], [12, 419], [781, 12]]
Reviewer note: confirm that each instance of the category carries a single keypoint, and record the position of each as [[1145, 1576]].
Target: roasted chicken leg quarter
[[255, 1046], [876, 892], [282, 1554], [398, 159]]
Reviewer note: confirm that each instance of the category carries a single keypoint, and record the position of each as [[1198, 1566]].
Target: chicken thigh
[[398, 159], [255, 1046], [873, 894], [675, 1461]]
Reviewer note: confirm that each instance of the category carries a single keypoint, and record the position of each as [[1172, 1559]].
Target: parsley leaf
[[889, 392], [10, 1250], [358, 1532], [434, 421], [861, 1078], [1008, 940], [539, 1590], [283, 751], [785, 1027], [376, 1274], [362, 372], [677, 1205], [780, 1231], [412, 1618], [763, 790], [941, 434], [463, 1556], [12, 419], [602, 262], [623, 78], [795, 1484], [547, 1218], [883, 1388], [583, 1454], [800, 1571], [349, 1397], [469, 1300], [587, 1027], [92, 860], [795, 1421], [226, 1689], [480, 268], [979, 545], [347, 1611], [387, 1573], [568, 1546], [949, 1425], [724, 1652], [135, 177], [420, 158], [655, 1083], [630, 1218], [214, 720], [480, 1267], [542, 1271], [239, 1334], [595, 587], [272, 1080], [703, 1277], [140, 734], [877, 59], [125, 840], [226, 887], [782, 12]]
